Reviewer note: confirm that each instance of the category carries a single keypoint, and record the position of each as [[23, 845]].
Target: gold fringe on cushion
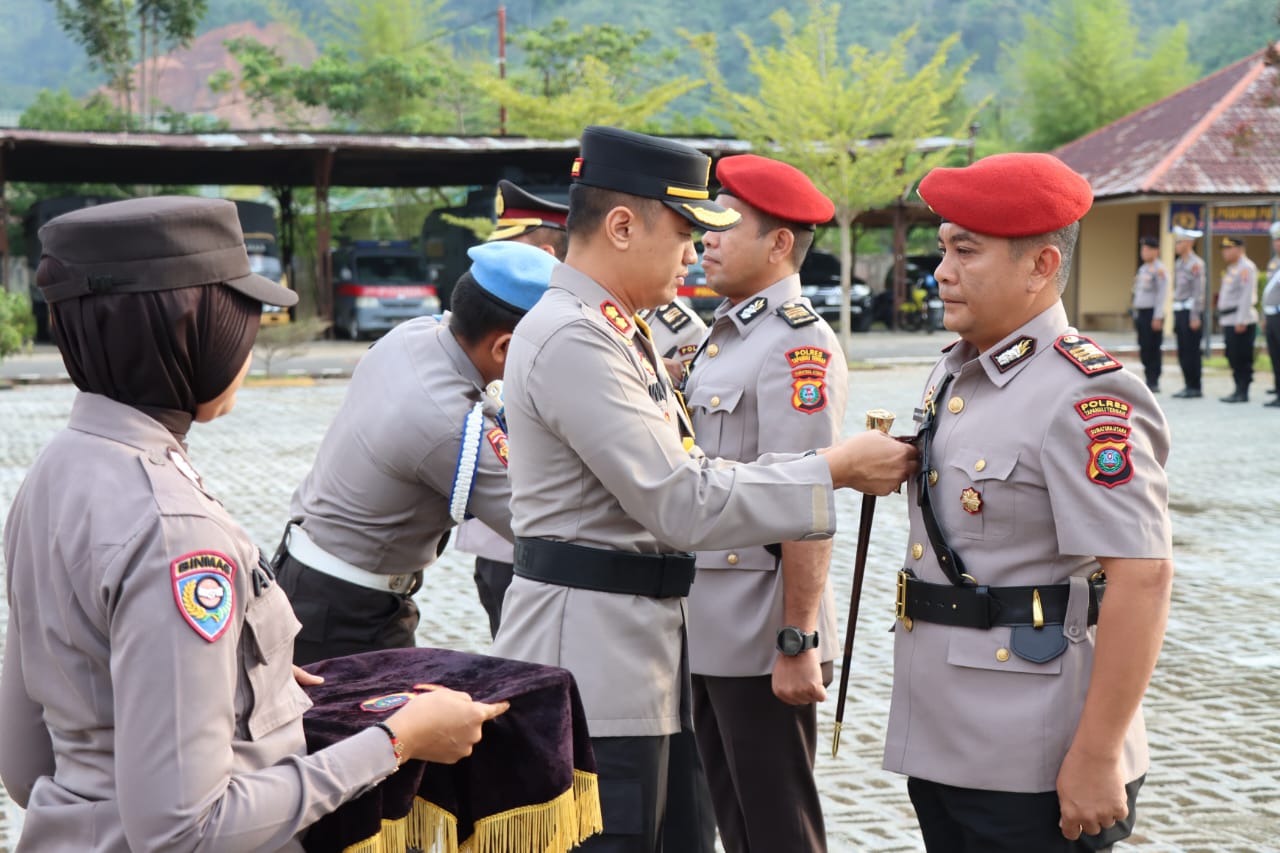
[[557, 826], [426, 827], [552, 827]]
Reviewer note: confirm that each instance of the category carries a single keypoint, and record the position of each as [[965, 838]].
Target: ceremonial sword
[[880, 419]]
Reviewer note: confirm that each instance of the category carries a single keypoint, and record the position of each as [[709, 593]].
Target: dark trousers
[[1273, 346], [633, 794], [492, 579], [1149, 342], [965, 820], [1189, 353], [340, 618], [759, 754], [1239, 348]]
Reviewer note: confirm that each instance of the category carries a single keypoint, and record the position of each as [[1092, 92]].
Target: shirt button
[[1002, 655], [715, 401], [954, 405], [1073, 631], [980, 465], [917, 550], [933, 477], [732, 559], [713, 351]]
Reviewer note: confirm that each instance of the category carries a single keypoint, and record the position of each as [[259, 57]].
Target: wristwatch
[[792, 641]]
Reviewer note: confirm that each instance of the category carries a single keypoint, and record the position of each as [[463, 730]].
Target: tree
[[389, 67], [1084, 65], [597, 75], [852, 123], [17, 324], [106, 29]]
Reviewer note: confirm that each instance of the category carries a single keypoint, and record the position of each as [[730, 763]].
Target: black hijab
[[163, 352]]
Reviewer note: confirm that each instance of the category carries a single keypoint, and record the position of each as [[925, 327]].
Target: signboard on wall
[[1186, 215], [1242, 219]]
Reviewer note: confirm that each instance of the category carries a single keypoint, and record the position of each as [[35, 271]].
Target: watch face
[[790, 641]]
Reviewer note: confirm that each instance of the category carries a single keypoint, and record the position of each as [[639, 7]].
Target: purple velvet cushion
[[526, 756]]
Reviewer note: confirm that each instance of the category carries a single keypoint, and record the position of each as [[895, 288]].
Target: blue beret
[[515, 274]]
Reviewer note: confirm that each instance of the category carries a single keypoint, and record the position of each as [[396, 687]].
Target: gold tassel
[[426, 827], [557, 826]]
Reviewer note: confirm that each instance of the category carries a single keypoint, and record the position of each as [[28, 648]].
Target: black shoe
[[1274, 404], [1237, 397], [1189, 392], [1154, 387]]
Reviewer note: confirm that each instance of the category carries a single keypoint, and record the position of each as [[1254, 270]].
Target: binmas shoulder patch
[[203, 589], [1087, 356]]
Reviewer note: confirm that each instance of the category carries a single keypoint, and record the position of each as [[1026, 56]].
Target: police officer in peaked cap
[[148, 695], [1017, 685], [607, 499]]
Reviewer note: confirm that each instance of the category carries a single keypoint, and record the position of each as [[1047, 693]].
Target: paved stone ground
[[1215, 780]]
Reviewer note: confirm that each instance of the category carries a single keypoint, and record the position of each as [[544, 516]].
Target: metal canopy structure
[[283, 160]]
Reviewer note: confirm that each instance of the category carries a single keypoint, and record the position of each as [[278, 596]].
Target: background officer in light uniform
[[762, 633], [1042, 462], [147, 697], [389, 481], [606, 497], [1150, 289], [1188, 307], [522, 217], [1271, 312], [1238, 315]]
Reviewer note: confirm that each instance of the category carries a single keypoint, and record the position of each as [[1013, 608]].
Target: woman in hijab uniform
[[148, 695]]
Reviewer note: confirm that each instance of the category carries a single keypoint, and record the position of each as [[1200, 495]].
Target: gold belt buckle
[[900, 605]]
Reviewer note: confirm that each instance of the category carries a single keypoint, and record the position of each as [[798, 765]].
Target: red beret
[[1009, 195], [775, 188]]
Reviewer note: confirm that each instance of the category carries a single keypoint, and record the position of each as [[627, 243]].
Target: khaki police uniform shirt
[[378, 493], [1150, 287], [1271, 293], [676, 330], [1041, 470], [1238, 294], [148, 698], [1188, 284], [596, 460], [760, 385]]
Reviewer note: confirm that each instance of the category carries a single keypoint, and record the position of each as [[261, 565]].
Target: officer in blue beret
[[416, 446]]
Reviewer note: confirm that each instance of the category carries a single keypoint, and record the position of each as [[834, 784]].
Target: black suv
[[820, 283]]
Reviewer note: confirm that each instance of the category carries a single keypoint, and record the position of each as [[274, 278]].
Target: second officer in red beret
[[1016, 686], [770, 377]]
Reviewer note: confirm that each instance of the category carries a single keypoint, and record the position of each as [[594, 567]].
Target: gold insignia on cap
[[712, 218], [681, 192], [955, 405], [498, 204]]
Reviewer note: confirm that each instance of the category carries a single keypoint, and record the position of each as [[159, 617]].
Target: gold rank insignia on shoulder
[[673, 316], [1022, 348], [752, 309], [1091, 359], [797, 314], [616, 318]]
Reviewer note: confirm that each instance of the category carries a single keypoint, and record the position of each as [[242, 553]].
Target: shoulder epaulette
[[797, 314], [674, 316], [1091, 359]]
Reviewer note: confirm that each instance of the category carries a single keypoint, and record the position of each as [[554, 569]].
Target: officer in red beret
[[770, 377], [1017, 687]]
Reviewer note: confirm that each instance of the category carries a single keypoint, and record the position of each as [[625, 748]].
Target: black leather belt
[[987, 606], [564, 564]]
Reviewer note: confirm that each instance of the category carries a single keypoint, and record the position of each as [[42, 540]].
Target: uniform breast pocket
[[982, 483], [718, 420], [267, 660]]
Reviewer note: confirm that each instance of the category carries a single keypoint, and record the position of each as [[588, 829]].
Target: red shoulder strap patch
[[1091, 359]]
